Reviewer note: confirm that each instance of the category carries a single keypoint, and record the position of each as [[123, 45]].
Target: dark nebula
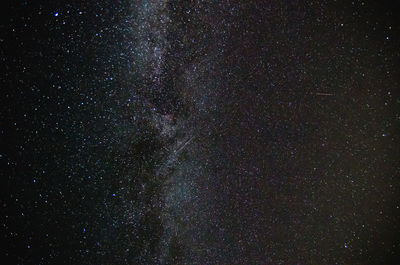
[[200, 132]]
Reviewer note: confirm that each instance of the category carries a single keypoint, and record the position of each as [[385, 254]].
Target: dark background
[[295, 107]]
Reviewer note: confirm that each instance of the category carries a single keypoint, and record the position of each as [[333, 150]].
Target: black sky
[[200, 132]]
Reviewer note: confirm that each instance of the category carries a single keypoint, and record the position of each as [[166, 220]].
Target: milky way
[[200, 132]]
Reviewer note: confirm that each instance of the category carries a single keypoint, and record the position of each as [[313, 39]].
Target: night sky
[[200, 132]]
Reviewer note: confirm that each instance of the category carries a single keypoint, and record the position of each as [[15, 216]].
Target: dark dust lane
[[200, 132]]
